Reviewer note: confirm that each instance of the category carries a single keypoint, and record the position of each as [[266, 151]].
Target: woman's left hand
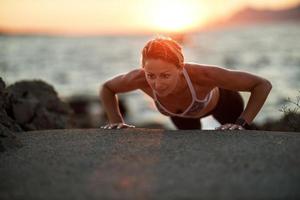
[[230, 127]]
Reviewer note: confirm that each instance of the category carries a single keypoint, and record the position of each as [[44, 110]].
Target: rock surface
[[35, 105], [8, 126], [152, 164], [5, 119]]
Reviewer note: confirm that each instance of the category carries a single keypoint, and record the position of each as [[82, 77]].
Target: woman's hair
[[163, 48]]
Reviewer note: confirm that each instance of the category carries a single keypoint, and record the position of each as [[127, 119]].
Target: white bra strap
[[154, 95], [188, 80]]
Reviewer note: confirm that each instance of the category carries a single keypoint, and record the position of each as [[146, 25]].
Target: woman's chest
[[180, 102]]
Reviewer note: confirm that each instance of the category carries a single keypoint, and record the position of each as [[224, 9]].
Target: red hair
[[163, 48]]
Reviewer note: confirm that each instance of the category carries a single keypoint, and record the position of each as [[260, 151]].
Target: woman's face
[[162, 76]]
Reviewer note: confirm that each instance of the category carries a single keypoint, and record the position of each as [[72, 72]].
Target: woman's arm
[[239, 81], [108, 93], [109, 101]]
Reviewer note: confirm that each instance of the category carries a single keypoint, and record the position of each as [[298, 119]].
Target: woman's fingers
[[230, 127], [117, 126], [120, 126], [226, 126], [125, 126], [105, 126], [236, 127], [108, 126], [223, 127]]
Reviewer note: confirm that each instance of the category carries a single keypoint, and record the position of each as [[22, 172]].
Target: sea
[[77, 66]]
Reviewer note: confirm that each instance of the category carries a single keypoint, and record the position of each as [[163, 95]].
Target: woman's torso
[[179, 103]]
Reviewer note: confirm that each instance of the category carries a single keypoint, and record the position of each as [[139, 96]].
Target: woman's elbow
[[263, 86], [104, 89], [268, 85]]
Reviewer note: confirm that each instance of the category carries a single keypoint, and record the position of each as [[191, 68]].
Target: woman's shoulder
[[137, 72], [128, 81], [202, 69], [192, 67], [134, 74], [137, 75], [200, 73], [196, 70]]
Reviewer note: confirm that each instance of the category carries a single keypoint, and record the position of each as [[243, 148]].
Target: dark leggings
[[228, 109]]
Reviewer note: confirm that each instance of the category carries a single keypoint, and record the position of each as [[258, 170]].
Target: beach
[[151, 164]]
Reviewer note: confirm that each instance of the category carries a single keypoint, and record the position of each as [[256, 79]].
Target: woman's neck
[[180, 88]]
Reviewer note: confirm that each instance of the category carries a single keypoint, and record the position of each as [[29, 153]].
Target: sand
[[152, 164]]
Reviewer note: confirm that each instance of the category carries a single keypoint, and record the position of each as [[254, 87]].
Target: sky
[[87, 17]]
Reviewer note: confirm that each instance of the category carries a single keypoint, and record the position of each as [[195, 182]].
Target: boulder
[[8, 126], [35, 105], [8, 139], [289, 122], [88, 111], [5, 119]]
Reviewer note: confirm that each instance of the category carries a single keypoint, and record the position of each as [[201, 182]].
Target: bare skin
[[168, 82]]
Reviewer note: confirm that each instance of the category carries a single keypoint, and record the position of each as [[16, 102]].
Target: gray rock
[[24, 109], [2, 88], [5, 119], [8, 139], [35, 105], [88, 111], [8, 126]]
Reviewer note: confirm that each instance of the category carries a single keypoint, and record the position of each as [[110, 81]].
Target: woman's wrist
[[242, 122], [116, 121]]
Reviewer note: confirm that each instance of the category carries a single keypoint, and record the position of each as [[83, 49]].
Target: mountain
[[254, 16]]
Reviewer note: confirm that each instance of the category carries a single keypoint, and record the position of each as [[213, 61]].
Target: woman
[[185, 91]]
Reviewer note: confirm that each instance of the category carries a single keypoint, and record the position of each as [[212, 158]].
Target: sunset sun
[[175, 16]]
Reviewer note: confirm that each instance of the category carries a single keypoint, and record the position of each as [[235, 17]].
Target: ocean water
[[79, 65]]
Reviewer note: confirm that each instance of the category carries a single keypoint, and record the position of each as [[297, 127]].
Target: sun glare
[[175, 16]]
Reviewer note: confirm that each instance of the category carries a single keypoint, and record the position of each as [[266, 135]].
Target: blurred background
[[76, 45]]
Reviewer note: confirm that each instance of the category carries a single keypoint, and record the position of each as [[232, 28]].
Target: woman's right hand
[[117, 126]]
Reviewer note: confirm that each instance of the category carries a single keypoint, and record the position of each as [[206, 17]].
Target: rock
[[35, 105], [7, 125], [8, 139], [46, 119], [289, 122], [2, 97], [2, 84], [5, 120], [81, 107], [24, 109], [88, 111]]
